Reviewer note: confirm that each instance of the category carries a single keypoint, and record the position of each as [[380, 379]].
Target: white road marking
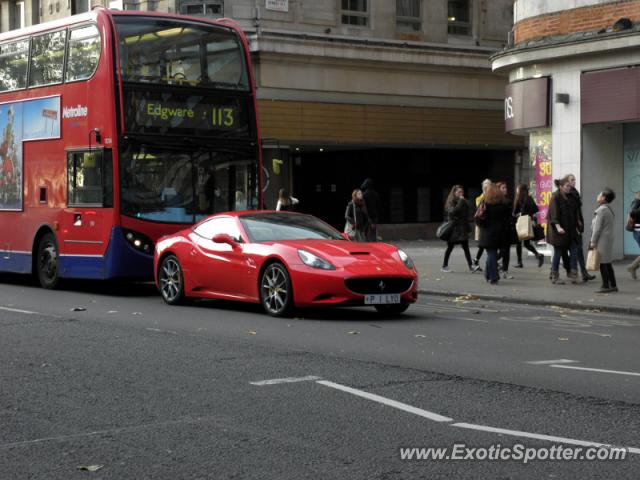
[[548, 438], [276, 381], [17, 310], [549, 362], [440, 418], [386, 401], [599, 370]]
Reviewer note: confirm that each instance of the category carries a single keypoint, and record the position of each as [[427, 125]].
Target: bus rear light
[[139, 241]]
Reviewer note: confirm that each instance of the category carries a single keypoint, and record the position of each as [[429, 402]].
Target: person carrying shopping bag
[[357, 220], [525, 205]]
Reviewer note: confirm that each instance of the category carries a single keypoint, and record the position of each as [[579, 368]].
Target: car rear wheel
[[171, 280], [276, 292], [47, 262], [396, 309]]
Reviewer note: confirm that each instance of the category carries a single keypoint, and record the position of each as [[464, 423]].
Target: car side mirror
[[225, 238], [345, 236]]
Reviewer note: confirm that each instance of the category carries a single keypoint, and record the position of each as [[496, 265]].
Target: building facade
[[397, 90], [573, 92]]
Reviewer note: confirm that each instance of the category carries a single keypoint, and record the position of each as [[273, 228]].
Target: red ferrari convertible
[[282, 260]]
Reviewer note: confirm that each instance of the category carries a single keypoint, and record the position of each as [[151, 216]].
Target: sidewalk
[[530, 284]]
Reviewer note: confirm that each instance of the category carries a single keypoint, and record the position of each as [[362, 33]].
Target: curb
[[535, 301]]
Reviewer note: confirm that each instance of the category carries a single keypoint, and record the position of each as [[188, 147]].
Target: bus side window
[[90, 178], [84, 53], [47, 58]]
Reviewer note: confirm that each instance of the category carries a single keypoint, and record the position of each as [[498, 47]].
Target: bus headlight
[[139, 241]]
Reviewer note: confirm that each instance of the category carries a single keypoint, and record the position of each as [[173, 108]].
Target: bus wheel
[[171, 280], [48, 261]]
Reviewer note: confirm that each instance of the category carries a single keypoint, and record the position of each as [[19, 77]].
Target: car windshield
[[273, 227]]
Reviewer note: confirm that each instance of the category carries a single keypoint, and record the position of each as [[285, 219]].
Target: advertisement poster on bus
[[540, 157], [41, 118], [11, 156], [19, 121]]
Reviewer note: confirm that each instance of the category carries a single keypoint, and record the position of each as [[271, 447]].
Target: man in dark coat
[[372, 202], [576, 203]]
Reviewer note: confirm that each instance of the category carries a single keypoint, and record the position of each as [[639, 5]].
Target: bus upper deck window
[[84, 53], [47, 58], [13, 65]]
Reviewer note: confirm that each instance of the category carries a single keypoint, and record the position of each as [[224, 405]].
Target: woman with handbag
[[525, 205], [602, 228], [493, 234], [357, 220], [456, 210], [633, 225]]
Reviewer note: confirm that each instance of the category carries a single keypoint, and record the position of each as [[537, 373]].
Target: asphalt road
[[144, 390]]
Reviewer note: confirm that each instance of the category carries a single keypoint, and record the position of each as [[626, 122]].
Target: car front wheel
[[276, 292], [171, 280]]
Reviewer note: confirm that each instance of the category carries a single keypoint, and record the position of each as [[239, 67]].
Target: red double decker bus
[[117, 128]]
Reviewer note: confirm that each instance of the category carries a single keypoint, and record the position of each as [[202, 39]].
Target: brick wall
[[576, 20]]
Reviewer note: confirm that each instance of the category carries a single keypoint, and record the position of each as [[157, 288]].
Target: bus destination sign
[[179, 114]]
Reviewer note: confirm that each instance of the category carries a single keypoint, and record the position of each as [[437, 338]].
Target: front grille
[[366, 286]]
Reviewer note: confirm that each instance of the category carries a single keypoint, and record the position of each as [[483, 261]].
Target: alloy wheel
[[170, 279], [276, 290]]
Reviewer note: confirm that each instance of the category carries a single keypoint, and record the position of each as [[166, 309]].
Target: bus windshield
[[180, 185], [175, 52]]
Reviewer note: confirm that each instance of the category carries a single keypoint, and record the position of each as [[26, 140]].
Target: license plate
[[382, 299]]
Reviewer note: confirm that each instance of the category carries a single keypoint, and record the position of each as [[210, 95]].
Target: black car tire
[[276, 292], [171, 280], [395, 309], [47, 262]]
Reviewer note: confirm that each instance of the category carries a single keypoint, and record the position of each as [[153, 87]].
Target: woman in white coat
[[602, 228]]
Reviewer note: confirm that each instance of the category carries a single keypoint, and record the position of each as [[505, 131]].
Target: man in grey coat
[[602, 228]]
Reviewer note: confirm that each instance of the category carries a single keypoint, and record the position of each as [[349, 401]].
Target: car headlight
[[406, 260], [314, 261]]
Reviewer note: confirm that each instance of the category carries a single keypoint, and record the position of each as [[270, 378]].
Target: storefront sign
[[526, 104], [610, 95], [277, 5], [540, 157]]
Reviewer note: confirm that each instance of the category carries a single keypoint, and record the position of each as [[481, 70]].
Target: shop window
[[90, 178], [355, 12], [408, 15], [459, 17]]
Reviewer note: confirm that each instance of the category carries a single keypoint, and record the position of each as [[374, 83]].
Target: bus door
[[88, 218]]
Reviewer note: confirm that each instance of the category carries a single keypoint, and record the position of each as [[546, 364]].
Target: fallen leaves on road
[[78, 309], [90, 468], [466, 298], [563, 339], [420, 336], [252, 332], [353, 332]]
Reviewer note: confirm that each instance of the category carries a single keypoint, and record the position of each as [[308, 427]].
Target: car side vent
[[360, 253]]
